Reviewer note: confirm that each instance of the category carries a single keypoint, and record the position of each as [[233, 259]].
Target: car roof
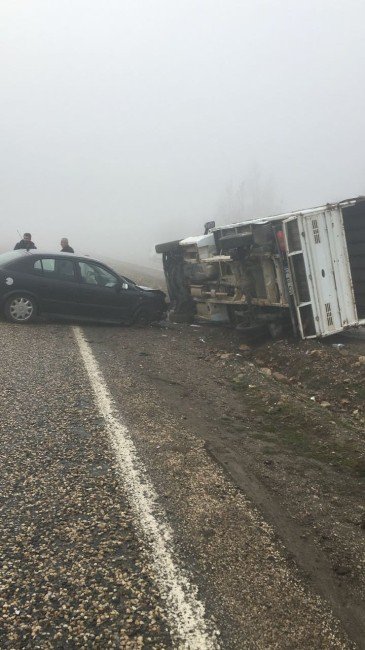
[[37, 251]]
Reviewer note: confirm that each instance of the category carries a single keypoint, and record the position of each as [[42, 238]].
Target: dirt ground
[[256, 454], [285, 420]]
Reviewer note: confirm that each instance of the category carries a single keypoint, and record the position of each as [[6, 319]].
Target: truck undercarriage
[[304, 270]]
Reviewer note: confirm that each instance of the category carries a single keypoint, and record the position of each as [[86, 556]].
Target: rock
[[279, 377], [266, 371], [361, 360], [325, 405], [342, 569], [244, 348], [226, 355], [316, 353]]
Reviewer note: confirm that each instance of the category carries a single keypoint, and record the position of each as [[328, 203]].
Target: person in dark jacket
[[65, 247], [25, 243]]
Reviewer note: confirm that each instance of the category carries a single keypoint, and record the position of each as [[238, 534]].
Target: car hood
[[158, 291]]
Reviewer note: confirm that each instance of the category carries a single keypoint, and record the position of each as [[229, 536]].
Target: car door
[[103, 294], [56, 285]]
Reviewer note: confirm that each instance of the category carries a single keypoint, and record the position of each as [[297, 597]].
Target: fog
[[129, 123]]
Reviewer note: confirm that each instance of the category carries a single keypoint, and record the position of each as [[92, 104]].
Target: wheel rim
[[21, 309]]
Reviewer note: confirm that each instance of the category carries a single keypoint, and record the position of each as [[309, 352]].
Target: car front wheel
[[20, 309], [142, 318]]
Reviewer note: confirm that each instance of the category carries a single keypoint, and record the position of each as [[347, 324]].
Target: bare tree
[[253, 197]]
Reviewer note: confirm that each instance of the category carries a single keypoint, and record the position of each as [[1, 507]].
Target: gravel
[[73, 572]]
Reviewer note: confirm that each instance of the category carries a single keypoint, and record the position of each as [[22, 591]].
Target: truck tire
[[252, 332]]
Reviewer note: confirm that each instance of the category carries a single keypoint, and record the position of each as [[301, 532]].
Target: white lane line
[[186, 614]]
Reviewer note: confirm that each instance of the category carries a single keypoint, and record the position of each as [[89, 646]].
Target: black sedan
[[69, 286]]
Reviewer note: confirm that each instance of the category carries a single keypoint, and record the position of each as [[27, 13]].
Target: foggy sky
[[124, 123]]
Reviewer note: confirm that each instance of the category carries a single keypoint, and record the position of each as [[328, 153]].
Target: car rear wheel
[[20, 309]]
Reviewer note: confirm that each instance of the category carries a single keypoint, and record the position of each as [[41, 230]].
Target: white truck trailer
[[304, 269]]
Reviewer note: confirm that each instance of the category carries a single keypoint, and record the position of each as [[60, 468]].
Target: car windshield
[[128, 280], [11, 256]]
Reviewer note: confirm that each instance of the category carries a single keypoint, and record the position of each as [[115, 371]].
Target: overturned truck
[[304, 270]]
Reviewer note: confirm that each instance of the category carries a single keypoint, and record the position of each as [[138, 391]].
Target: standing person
[[26, 242], [65, 247]]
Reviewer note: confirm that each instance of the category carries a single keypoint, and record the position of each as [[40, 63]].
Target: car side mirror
[[125, 285]]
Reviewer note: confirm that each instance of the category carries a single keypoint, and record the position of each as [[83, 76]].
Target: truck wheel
[[276, 330], [20, 308], [252, 332]]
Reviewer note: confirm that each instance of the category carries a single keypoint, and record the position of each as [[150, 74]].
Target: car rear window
[[11, 256]]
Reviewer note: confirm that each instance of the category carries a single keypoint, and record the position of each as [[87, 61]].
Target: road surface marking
[[186, 614]]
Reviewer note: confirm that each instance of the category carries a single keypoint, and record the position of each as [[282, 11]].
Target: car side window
[[37, 267], [48, 265], [64, 270], [57, 269], [95, 274]]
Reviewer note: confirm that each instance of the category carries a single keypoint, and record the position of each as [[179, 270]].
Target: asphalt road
[[118, 526]]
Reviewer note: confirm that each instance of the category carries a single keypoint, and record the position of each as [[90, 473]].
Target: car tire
[[142, 318], [20, 308], [180, 317]]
